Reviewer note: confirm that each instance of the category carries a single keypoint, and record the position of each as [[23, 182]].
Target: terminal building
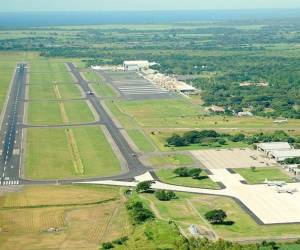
[[136, 65]]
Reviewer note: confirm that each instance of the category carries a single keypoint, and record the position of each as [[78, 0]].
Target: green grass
[[69, 91], [181, 211], [244, 226], [98, 85], [49, 77], [78, 112], [175, 160], [103, 90], [44, 113], [41, 91], [260, 174], [140, 140], [167, 176], [181, 113], [48, 155], [48, 113], [96, 153]]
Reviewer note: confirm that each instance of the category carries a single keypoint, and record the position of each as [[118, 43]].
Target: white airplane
[[274, 183], [90, 93], [287, 190]]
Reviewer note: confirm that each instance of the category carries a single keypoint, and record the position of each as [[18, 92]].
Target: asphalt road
[[11, 133]]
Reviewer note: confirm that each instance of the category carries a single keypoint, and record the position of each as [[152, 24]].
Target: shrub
[[163, 195], [138, 213], [107, 245], [216, 216], [121, 240], [144, 186]]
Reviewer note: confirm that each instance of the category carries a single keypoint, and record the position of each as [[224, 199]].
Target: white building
[[271, 146], [136, 65], [281, 155]]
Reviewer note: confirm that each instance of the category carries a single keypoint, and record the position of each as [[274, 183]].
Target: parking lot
[[133, 87], [232, 158]]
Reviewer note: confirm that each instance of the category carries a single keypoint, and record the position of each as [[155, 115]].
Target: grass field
[[190, 208], [48, 154], [82, 214], [48, 113], [181, 113], [46, 91], [138, 137], [174, 160], [140, 140], [260, 174], [167, 176]]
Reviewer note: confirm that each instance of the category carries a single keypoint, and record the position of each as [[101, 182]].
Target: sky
[[128, 5]]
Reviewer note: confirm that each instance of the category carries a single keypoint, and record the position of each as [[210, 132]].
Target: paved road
[[11, 134]]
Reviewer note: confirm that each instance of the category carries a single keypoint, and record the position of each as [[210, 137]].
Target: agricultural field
[[68, 153], [167, 176], [84, 216], [259, 175]]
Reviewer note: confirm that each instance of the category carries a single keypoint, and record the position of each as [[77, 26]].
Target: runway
[[11, 132], [135, 167]]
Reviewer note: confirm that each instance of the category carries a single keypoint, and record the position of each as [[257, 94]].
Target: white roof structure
[[281, 155], [140, 63], [271, 146]]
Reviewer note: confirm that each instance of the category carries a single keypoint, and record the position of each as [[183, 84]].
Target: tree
[[144, 186], [107, 245], [138, 212], [176, 140], [195, 172], [163, 195], [216, 216], [182, 172]]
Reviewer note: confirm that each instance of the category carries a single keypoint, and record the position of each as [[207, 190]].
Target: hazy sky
[[102, 5]]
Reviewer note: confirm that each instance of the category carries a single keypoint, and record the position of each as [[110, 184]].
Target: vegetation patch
[[259, 175], [202, 181]]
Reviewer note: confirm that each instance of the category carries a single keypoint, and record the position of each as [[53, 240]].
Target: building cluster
[[280, 151], [168, 82], [256, 84]]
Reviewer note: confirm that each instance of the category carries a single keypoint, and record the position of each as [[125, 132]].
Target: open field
[[103, 90], [82, 216], [48, 77], [46, 91], [140, 140], [189, 209], [130, 125], [260, 174], [174, 160], [49, 113], [181, 113], [167, 176], [99, 86], [49, 155]]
